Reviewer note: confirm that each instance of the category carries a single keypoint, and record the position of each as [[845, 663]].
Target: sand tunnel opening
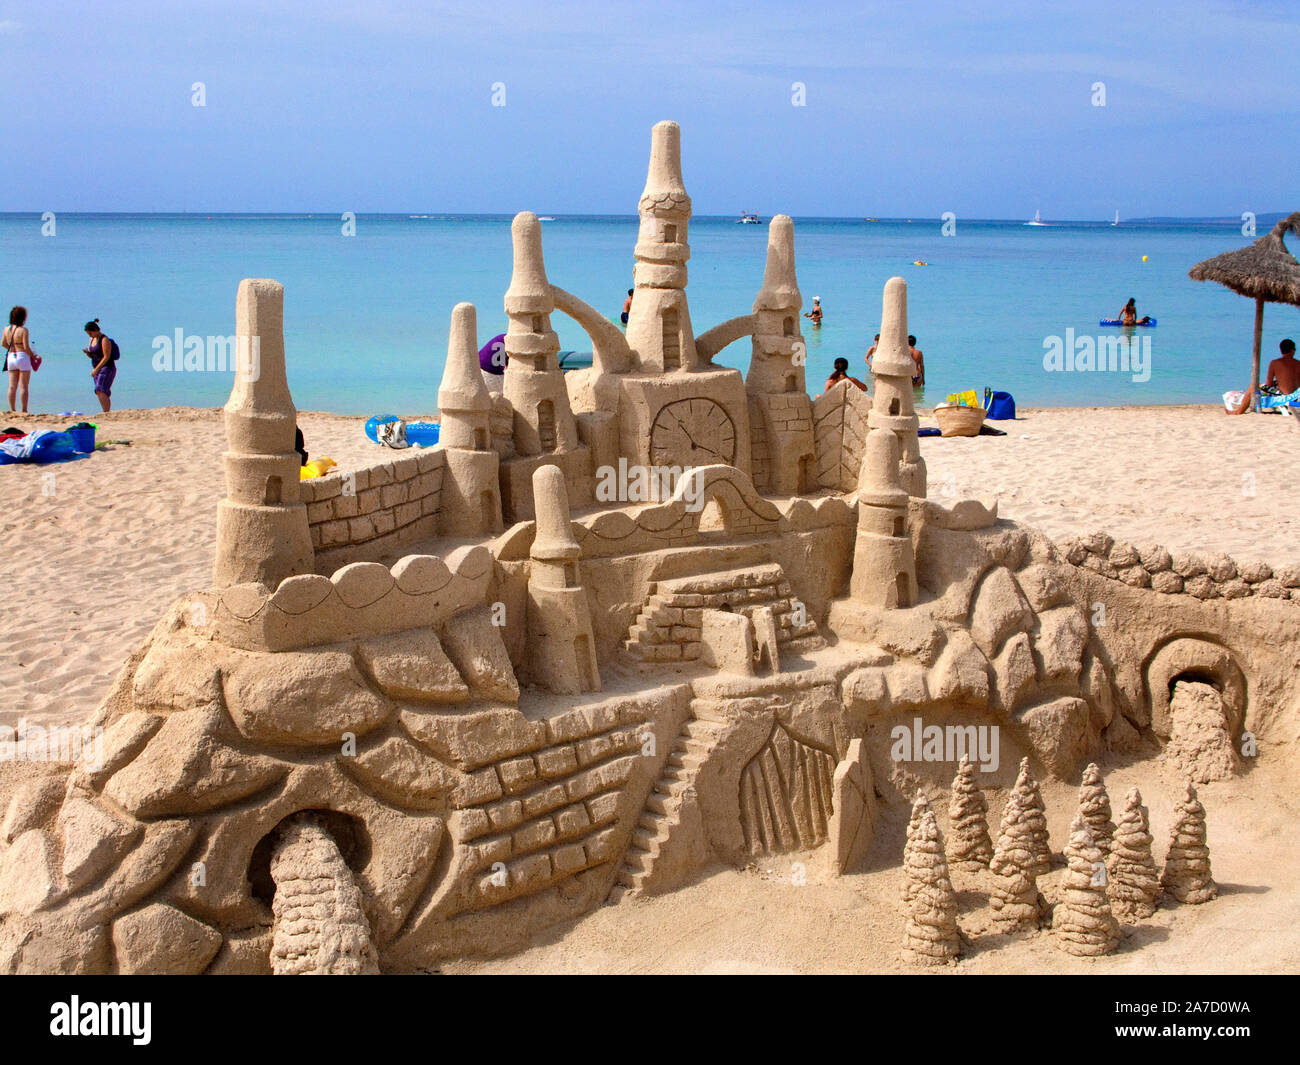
[[349, 833]]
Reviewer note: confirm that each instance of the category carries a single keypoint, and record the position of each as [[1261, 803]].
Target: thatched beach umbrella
[[1265, 271]]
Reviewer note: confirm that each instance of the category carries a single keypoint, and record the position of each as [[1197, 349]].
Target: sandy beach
[[96, 549]]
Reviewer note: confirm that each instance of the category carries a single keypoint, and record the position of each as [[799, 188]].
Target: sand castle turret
[[534, 382], [1134, 886], [931, 936], [1082, 923], [777, 361], [262, 529], [780, 408], [471, 494], [561, 642], [1187, 875], [969, 845], [892, 367], [1094, 808], [659, 322], [1014, 896], [884, 561]]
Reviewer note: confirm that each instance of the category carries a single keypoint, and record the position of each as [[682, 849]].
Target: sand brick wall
[[362, 515]]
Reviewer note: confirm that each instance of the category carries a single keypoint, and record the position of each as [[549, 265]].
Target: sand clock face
[[692, 432]]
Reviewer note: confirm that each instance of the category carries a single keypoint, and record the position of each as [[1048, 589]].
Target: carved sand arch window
[[546, 425], [715, 517], [480, 439], [271, 490], [789, 325], [670, 233], [672, 340], [785, 795]]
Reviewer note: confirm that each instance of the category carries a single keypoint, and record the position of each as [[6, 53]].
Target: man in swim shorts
[[918, 378], [1282, 379]]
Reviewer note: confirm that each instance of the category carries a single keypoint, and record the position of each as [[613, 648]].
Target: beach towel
[[1267, 402], [43, 445]]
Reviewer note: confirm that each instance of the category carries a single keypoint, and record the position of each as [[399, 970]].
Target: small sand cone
[[1094, 808], [969, 845], [1031, 800], [1187, 874], [920, 807], [1014, 896], [1082, 922], [930, 937], [1134, 886]]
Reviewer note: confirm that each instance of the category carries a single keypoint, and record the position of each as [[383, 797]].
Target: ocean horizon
[[366, 315]]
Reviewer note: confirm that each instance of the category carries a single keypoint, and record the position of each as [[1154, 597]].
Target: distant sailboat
[[1116, 222], [1037, 220]]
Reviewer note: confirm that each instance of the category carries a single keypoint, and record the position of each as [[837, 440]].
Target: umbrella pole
[[1254, 360]]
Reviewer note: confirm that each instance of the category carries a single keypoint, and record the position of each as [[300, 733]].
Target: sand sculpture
[[1187, 874], [920, 807], [1134, 880], [619, 625], [1082, 922], [1094, 808], [1030, 800], [969, 846], [931, 936], [1014, 896]]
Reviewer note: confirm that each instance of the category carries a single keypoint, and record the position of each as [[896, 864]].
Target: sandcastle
[[620, 625]]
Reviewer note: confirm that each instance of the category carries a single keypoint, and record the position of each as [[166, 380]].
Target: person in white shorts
[[20, 359]]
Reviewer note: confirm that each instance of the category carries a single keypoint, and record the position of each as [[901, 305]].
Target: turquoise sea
[[366, 316]]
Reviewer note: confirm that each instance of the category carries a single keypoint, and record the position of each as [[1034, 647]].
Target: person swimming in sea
[[841, 373], [1129, 315], [816, 313]]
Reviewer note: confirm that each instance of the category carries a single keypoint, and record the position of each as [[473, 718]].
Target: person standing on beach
[[871, 351], [627, 305], [20, 359], [103, 352], [841, 373], [816, 313], [918, 378]]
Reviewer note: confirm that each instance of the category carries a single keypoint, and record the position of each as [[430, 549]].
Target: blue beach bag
[[1002, 407]]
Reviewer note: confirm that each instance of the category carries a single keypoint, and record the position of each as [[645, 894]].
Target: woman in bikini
[[20, 360], [1129, 315], [103, 363]]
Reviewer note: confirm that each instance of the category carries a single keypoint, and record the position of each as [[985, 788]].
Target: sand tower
[[892, 367], [534, 383], [262, 531], [659, 323], [884, 562], [775, 382], [561, 642], [471, 495]]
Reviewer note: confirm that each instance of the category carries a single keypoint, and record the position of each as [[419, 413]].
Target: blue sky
[[912, 110]]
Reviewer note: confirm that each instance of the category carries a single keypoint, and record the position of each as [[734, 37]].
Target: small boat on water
[[748, 218], [545, 218], [1116, 222], [1037, 220]]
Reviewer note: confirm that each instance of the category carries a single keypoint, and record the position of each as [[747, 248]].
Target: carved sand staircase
[[669, 624], [663, 807]]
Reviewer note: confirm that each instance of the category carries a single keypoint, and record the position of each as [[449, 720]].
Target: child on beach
[[20, 359], [103, 352], [841, 373]]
